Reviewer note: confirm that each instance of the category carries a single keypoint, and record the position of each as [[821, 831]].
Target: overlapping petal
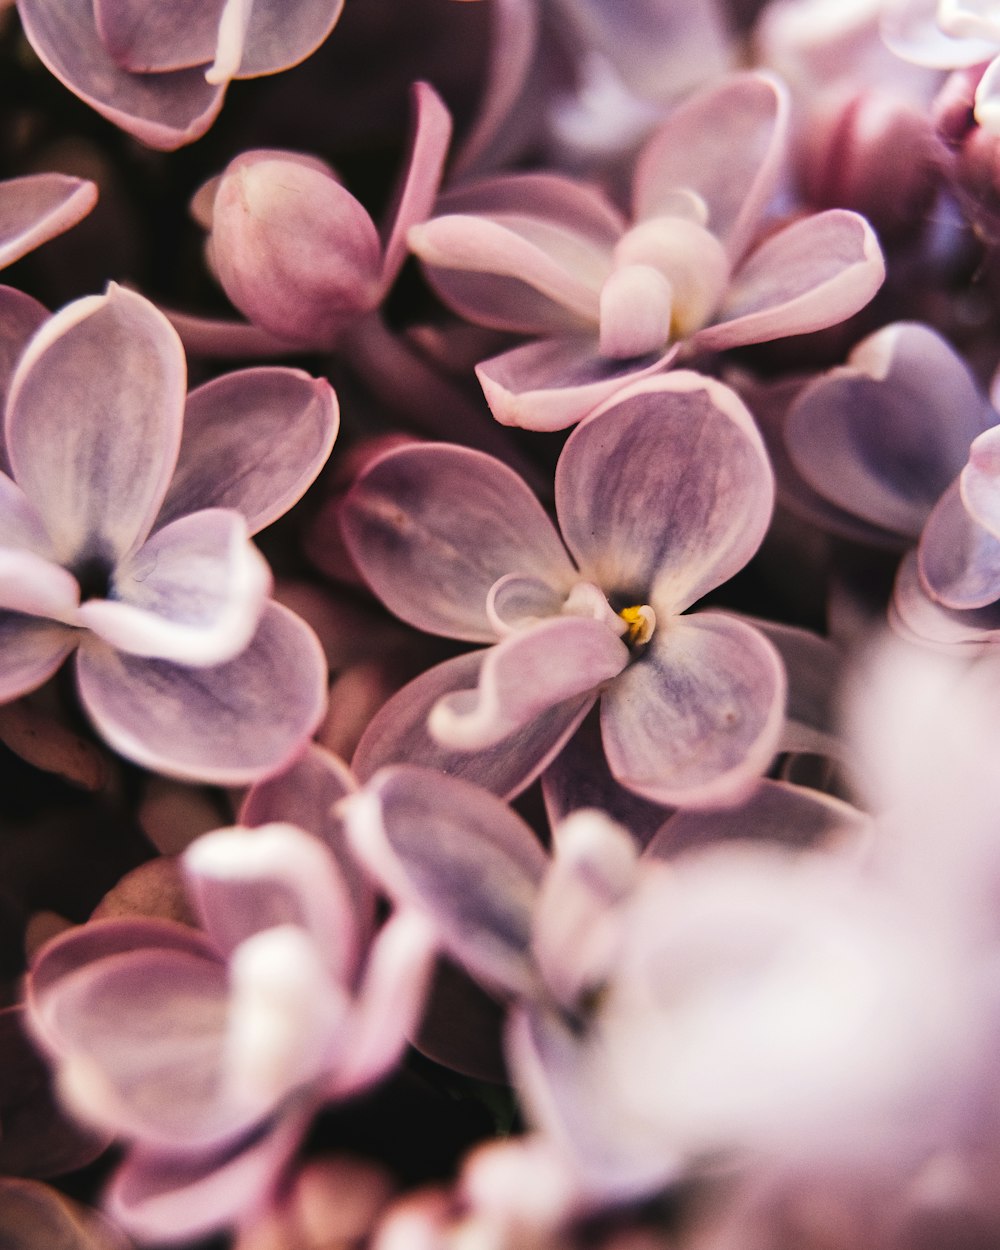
[[959, 560], [31, 650], [37, 207]]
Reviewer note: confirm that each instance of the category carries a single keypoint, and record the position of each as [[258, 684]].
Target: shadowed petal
[[253, 440], [980, 480], [141, 37], [959, 560], [31, 650], [37, 207], [697, 718], [20, 317], [94, 422], [398, 733], [666, 491], [281, 33], [522, 677], [433, 527], [231, 724], [164, 111], [33, 1216], [813, 274]]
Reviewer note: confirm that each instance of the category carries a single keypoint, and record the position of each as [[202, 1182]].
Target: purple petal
[[296, 253], [726, 144], [814, 668], [37, 207], [31, 650], [462, 856], [980, 481], [915, 615], [524, 676], [697, 718], [666, 491], [163, 110], [231, 724], [254, 441], [578, 206], [959, 560], [192, 594], [884, 436], [20, 317], [114, 364], [555, 383], [31, 584], [398, 733], [141, 37], [810, 275], [433, 527]]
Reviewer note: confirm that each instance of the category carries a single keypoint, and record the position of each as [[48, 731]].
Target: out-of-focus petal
[[696, 719], [665, 491], [726, 144], [913, 614], [959, 560], [37, 207], [164, 111], [31, 584], [398, 733], [988, 97], [94, 423], [522, 677], [911, 29], [555, 383], [34, 1216], [463, 857], [253, 440], [980, 481], [193, 593], [230, 724], [433, 527], [813, 274], [31, 650]]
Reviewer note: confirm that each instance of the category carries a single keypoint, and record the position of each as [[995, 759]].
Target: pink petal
[[164, 111], [555, 383], [31, 650], [578, 206], [524, 676], [916, 616], [810, 275], [141, 37], [911, 29], [980, 480], [193, 593], [433, 527], [31, 584], [726, 144], [116, 365], [398, 733], [959, 560], [254, 441], [666, 491], [231, 724], [697, 718], [282, 33], [37, 207], [20, 317]]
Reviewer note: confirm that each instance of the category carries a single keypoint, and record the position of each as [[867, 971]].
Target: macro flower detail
[[661, 495], [125, 536]]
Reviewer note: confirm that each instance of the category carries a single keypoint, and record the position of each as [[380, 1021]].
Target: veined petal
[[193, 593], [163, 110], [94, 423], [254, 441], [398, 733], [696, 720], [31, 650], [666, 491], [959, 560], [813, 274], [142, 38], [230, 724], [433, 527], [282, 33], [525, 675], [37, 207]]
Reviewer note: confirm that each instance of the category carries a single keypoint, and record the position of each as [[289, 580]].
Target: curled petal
[[253, 440], [959, 560], [31, 650], [636, 309], [37, 207], [980, 481], [516, 602], [525, 675], [143, 38], [915, 615], [697, 719], [230, 724], [433, 527], [20, 317], [33, 585], [94, 423]]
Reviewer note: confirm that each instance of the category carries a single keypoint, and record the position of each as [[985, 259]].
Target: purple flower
[[126, 520], [661, 496]]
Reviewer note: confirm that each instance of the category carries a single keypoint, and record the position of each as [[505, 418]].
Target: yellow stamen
[[641, 621]]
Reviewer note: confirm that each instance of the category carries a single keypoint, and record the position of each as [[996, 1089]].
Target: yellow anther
[[641, 621]]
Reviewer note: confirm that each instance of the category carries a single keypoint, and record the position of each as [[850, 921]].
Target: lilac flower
[[159, 68], [126, 538], [209, 1052], [544, 256], [661, 496]]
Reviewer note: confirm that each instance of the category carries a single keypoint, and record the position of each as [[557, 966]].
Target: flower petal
[[31, 650], [94, 422], [664, 492], [524, 676], [230, 724], [253, 440], [141, 38], [696, 720], [959, 560], [282, 33], [913, 614], [980, 480], [398, 733], [20, 317], [37, 207], [433, 527], [912, 31]]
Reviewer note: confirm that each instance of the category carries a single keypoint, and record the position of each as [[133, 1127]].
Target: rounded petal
[[398, 733], [980, 480], [696, 720], [142, 37], [229, 725], [959, 560], [282, 33], [94, 423], [254, 440], [31, 584], [664, 492], [20, 317], [37, 207], [433, 527], [31, 650], [914, 615]]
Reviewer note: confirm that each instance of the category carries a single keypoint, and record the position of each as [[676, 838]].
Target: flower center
[[94, 576], [641, 622]]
